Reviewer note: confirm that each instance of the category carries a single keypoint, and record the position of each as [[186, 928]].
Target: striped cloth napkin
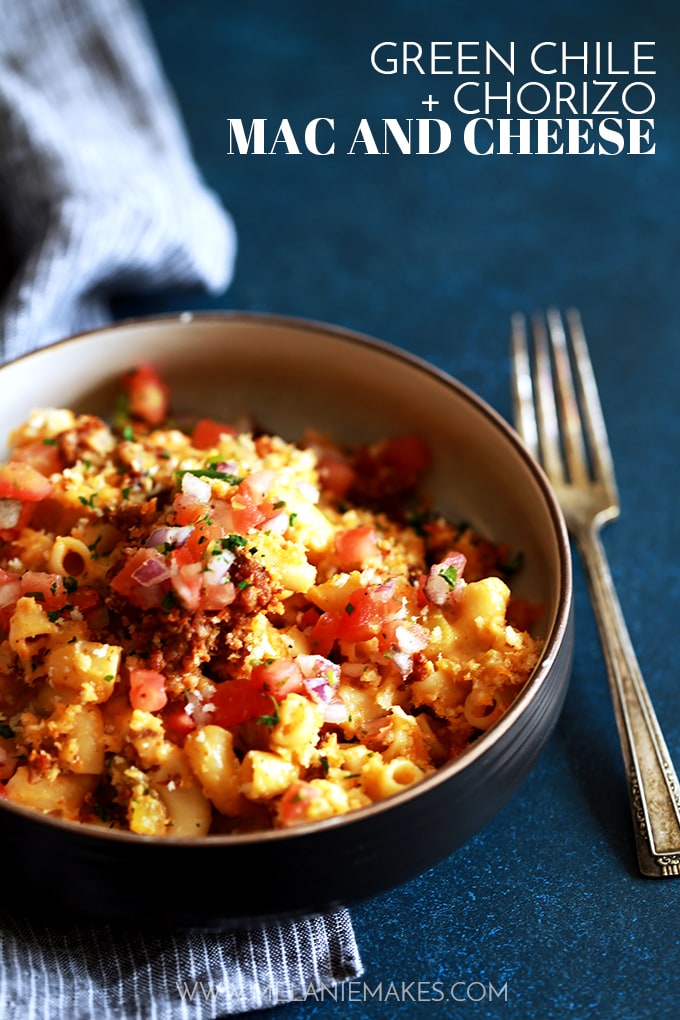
[[89, 972], [98, 193]]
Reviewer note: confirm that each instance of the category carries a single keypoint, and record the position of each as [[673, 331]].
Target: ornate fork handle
[[653, 784]]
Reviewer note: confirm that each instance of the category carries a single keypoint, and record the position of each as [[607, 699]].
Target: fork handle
[[653, 785]]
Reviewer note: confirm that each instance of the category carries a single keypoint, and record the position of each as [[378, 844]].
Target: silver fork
[[559, 417]]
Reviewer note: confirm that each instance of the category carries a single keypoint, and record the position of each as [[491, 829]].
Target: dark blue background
[[433, 254]]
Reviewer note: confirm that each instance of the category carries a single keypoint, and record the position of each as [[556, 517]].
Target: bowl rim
[[486, 741]]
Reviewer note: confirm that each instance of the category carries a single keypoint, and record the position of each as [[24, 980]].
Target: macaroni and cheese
[[205, 628]]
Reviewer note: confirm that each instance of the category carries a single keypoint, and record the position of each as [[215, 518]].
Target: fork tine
[[522, 389], [572, 428], [546, 408], [601, 458]]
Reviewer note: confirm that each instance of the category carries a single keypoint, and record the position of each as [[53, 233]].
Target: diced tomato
[[148, 394], [408, 453], [336, 475], [19, 520], [278, 677], [47, 589], [147, 690], [355, 547], [249, 507], [237, 701], [371, 612], [10, 592], [85, 598], [309, 618], [23, 482], [325, 632], [144, 596], [198, 542], [207, 433], [186, 577], [364, 615], [246, 515], [186, 509], [42, 455], [294, 804], [177, 721]]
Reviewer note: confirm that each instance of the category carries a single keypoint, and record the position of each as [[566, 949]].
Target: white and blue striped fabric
[[101, 973], [98, 192]]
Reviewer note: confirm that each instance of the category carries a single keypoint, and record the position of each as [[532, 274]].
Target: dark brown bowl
[[292, 375]]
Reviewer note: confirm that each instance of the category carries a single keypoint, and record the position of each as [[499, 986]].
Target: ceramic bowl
[[291, 375]]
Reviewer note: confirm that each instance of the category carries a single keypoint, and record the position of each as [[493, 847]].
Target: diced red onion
[[278, 524], [10, 511], [318, 666], [259, 483], [384, 591], [438, 589], [10, 592], [336, 711], [411, 638], [229, 467], [175, 536], [403, 661], [198, 709], [150, 572], [218, 567], [320, 676], [196, 487]]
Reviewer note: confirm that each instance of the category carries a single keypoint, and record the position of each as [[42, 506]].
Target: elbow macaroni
[[235, 633]]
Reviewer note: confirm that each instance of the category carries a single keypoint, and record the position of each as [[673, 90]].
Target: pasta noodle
[[210, 629]]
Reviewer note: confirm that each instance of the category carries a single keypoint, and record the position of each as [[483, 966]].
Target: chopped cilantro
[[208, 472], [349, 608], [49, 441], [233, 542], [70, 583], [129, 433], [242, 585], [270, 720], [450, 575]]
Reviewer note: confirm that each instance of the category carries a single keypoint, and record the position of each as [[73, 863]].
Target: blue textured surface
[[433, 254]]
